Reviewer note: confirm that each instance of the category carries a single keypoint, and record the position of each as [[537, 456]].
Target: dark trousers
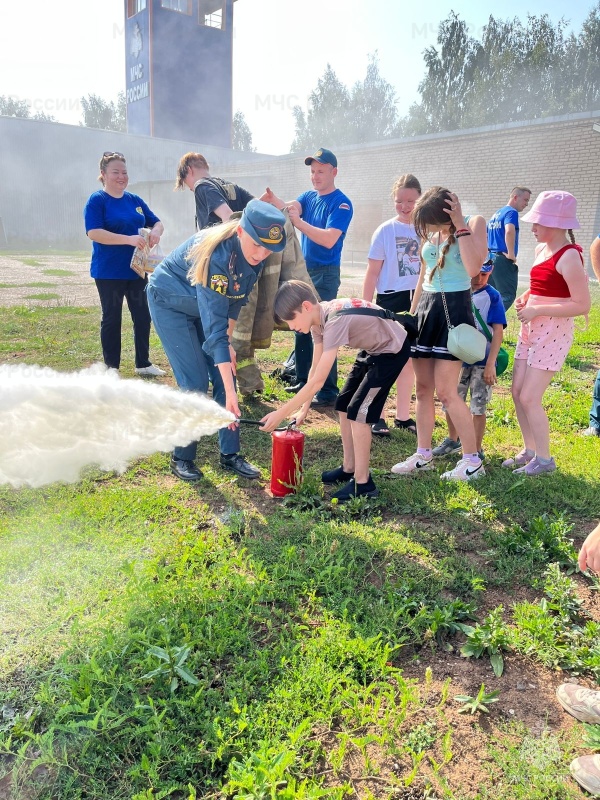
[[112, 293], [326, 281], [505, 279], [595, 409]]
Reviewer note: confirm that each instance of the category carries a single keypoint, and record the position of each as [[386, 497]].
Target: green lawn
[[165, 640]]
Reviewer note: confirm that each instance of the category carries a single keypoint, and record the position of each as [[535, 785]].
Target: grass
[[313, 640], [58, 273]]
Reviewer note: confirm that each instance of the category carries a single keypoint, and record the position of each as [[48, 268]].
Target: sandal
[[520, 460], [406, 425]]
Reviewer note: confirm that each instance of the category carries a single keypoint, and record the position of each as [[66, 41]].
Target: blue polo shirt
[[124, 215], [496, 229], [333, 210]]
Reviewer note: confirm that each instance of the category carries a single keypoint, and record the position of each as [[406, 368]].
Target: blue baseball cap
[[265, 224], [487, 267], [323, 156]]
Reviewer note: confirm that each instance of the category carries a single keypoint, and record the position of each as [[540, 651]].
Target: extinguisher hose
[[288, 427]]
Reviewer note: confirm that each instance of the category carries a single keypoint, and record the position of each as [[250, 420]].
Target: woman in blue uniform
[[195, 296]]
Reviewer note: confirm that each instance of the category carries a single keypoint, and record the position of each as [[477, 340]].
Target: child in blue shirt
[[479, 378]]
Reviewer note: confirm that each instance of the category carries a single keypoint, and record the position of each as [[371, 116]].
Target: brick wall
[[480, 165]]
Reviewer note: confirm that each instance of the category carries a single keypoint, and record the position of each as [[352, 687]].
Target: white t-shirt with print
[[396, 244]]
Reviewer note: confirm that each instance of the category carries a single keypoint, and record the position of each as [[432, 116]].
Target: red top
[[545, 281]]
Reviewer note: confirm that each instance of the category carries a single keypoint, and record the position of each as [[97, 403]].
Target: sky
[[52, 53]]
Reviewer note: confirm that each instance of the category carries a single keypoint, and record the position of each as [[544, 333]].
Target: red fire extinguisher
[[286, 461]]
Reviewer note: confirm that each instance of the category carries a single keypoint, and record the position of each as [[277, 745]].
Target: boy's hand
[[271, 421], [489, 374]]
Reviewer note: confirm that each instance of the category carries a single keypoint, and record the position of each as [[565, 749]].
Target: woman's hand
[[153, 239], [231, 404], [454, 211], [526, 313], [137, 241], [521, 300]]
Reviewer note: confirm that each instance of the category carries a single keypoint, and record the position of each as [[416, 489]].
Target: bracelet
[[458, 234], [462, 230]]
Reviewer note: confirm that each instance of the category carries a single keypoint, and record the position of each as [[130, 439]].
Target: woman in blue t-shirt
[[113, 218]]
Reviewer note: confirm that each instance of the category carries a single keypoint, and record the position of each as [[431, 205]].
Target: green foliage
[[104, 114], [241, 135], [490, 638], [172, 667], [478, 703]]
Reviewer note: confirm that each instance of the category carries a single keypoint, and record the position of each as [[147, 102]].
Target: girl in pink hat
[[557, 293]]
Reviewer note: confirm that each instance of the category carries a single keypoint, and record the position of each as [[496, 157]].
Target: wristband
[[461, 230], [458, 234]]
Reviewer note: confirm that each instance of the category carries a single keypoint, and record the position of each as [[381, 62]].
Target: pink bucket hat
[[554, 210]]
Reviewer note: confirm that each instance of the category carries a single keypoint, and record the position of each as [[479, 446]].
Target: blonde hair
[[186, 162], [200, 254], [408, 181]]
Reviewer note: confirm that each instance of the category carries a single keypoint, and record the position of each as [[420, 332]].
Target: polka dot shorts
[[545, 342]]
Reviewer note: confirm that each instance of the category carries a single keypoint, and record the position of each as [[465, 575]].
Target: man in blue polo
[[322, 216], [503, 245]]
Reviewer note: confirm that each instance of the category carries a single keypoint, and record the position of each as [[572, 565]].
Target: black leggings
[[112, 293]]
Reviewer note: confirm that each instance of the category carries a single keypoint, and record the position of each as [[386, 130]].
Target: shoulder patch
[[345, 206], [140, 211], [219, 283]]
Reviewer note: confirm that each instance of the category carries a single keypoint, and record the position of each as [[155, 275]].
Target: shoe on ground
[[447, 447], [295, 388], [586, 771], [581, 703], [380, 428], [535, 467], [465, 470], [591, 431], [238, 464], [520, 460], [354, 489], [185, 470], [318, 403], [336, 475], [416, 463], [481, 455], [151, 371], [406, 425]]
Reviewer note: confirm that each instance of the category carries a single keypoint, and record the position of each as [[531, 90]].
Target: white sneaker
[[151, 371], [416, 463], [465, 470]]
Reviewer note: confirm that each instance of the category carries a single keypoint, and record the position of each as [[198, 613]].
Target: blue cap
[[323, 156], [487, 267], [265, 224]]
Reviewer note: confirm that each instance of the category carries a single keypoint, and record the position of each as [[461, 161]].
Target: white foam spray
[[53, 424]]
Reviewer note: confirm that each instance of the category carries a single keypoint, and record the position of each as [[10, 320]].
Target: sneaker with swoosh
[[465, 470], [416, 463]]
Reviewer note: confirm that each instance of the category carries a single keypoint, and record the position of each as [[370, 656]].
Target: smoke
[[54, 424]]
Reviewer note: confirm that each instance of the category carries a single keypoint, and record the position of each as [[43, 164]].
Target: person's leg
[[137, 302], [111, 294], [404, 390], [181, 337], [229, 440], [425, 408], [452, 432], [327, 282], [446, 375], [348, 462], [520, 370], [534, 384], [481, 394], [361, 439], [303, 349]]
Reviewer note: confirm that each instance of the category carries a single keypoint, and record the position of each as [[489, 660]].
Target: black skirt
[[432, 339]]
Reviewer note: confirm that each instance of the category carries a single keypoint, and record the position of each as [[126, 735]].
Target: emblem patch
[[140, 211], [275, 232], [219, 283], [345, 206]]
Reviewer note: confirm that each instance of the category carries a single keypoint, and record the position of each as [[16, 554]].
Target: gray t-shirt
[[376, 335]]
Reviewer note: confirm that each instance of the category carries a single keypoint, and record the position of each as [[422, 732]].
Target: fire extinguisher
[[286, 458], [286, 461]]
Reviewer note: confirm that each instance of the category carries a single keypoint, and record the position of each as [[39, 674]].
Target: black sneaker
[[185, 470], [406, 425], [336, 475], [354, 489], [238, 464], [380, 428]]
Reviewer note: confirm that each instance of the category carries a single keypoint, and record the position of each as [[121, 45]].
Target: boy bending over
[[384, 350]]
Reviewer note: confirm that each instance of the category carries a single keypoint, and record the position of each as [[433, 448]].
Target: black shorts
[[398, 302], [432, 339], [366, 389]]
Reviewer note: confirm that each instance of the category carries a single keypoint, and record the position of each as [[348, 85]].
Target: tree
[[107, 115], [13, 107], [373, 113], [327, 120], [241, 135]]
